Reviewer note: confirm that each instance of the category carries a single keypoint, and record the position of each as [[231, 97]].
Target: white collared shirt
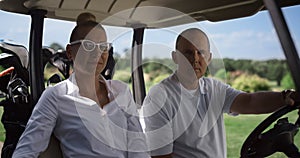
[[187, 123], [82, 127]]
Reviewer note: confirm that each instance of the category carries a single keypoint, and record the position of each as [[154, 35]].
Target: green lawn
[[2, 131], [239, 127]]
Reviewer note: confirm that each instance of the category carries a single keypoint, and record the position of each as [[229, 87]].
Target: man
[[90, 116], [184, 113]]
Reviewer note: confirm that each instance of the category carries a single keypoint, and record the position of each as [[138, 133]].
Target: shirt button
[[103, 113]]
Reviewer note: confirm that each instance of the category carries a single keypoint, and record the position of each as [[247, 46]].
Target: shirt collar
[[73, 90], [202, 83], [72, 85]]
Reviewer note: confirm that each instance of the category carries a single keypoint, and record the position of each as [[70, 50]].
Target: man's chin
[[198, 73]]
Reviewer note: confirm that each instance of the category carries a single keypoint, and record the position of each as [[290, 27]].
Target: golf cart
[[152, 14]]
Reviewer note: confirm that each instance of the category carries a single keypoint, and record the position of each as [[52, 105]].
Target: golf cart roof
[[149, 13]]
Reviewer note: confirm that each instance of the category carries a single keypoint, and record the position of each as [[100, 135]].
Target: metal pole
[[35, 56], [138, 83], [285, 39]]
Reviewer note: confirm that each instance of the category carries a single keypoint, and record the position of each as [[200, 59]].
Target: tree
[[276, 70], [242, 65], [270, 69], [288, 82], [260, 68], [229, 64], [156, 67], [56, 46]]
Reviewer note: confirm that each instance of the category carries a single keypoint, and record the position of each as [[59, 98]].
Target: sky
[[252, 37]]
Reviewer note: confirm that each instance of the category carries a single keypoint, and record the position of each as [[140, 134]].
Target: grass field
[[237, 129], [2, 131]]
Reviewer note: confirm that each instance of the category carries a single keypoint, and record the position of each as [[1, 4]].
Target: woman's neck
[[93, 87]]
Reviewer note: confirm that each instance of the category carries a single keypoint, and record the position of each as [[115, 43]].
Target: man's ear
[[174, 58], [209, 58], [69, 52]]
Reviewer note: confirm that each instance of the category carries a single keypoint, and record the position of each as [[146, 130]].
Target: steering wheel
[[278, 139]]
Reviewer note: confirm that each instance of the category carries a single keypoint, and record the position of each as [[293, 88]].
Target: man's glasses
[[89, 45]]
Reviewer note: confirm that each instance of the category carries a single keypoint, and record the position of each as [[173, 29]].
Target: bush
[[250, 83], [160, 78], [1, 68], [222, 75], [123, 76], [287, 82]]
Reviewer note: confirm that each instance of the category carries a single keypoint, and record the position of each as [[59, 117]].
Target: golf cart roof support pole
[[286, 40], [138, 84], [35, 56]]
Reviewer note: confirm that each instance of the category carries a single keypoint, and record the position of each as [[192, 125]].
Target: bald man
[[184, 113]]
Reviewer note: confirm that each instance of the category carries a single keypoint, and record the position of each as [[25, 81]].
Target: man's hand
[[291, 97]]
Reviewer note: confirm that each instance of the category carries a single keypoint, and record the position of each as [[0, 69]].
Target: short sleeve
[[231, 94]]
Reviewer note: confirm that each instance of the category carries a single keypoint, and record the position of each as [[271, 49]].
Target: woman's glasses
[[89, 45]]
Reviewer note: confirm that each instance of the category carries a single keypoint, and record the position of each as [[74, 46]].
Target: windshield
[[243, 49]]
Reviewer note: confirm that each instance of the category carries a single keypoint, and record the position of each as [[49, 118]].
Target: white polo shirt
[[82, 127], [188, 124]]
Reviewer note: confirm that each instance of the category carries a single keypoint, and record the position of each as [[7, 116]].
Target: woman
[[90, 116]]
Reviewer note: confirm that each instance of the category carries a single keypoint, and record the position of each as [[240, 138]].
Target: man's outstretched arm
[[261, 102]]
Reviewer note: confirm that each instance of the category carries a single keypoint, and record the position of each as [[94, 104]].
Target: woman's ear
[[174, 58], [69, 52]]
